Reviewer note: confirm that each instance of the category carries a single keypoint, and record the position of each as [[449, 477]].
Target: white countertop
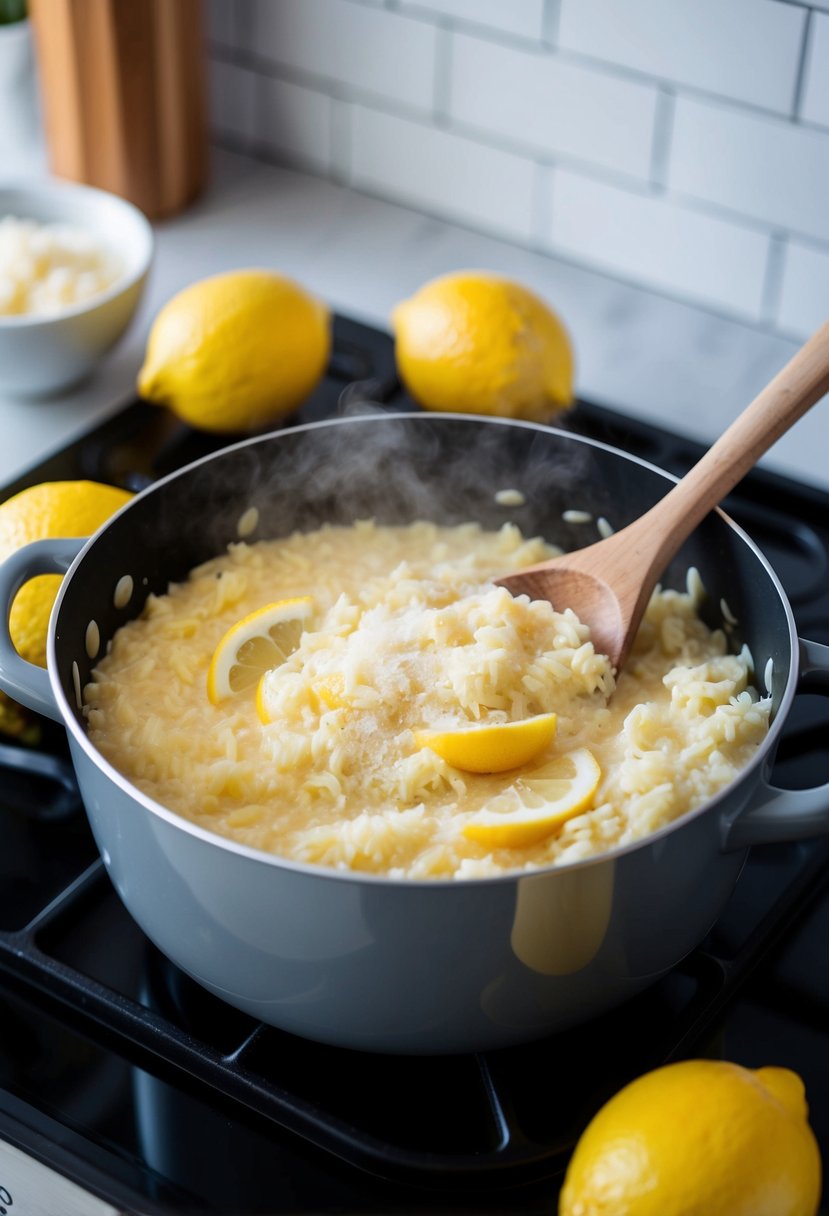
[[675, 364]]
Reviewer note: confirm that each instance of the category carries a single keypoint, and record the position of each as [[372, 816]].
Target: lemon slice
[[491, 749], [539, 802], [261, 707], [260, 641]]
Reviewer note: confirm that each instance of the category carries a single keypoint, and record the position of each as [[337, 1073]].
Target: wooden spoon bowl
[[608, 584]]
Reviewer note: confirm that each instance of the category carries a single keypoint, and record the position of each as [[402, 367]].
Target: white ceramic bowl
[[40, 355]]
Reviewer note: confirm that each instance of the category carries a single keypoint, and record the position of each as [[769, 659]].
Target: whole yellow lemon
[[236, 351], [698, 1138], [51, 509], [475, 342]]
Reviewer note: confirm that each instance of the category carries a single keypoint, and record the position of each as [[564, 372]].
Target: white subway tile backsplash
[[650, 240], [666, 127], [219, 19], [522, 18], [443, 173], [748, 50], [764, 168], [232, 99], [804, 299], [294, 123], [540, 101], [815, 107], [364, 49]]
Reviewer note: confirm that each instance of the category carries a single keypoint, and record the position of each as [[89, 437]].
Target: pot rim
[[179, 822]]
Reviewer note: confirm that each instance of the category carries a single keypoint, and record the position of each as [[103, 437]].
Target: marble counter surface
[[672, 363]]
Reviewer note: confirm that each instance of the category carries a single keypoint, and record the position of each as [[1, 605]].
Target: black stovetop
[[125, 1076]]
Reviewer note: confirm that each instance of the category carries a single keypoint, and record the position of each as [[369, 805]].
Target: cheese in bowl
[[365, 698], [46, 268]]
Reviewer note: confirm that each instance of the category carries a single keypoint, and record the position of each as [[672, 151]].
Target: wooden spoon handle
[[793, 391]]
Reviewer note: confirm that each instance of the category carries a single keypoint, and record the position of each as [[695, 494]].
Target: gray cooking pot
[[365, 961]]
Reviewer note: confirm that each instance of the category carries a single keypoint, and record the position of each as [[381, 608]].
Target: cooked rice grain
[[409, 633]]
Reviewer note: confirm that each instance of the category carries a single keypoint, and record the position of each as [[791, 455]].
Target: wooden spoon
[[608, 584]]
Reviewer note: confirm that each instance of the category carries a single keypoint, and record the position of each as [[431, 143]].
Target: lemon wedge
[[538, 803], [261, 707], [491, 749], [260, 641]]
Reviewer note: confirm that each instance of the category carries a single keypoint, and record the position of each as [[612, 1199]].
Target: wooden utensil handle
[[124, 93], [793, 391]]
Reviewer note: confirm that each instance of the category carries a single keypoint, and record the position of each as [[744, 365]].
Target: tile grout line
[[542, 203], [663, 130], [257, 108], [442, 83], [243, 23], [773, 282], [592, 171], [340, 135], [484, 139], [382, 104], [240, 56], [800, 78], [541, 47], [550, 23], [546, 250]]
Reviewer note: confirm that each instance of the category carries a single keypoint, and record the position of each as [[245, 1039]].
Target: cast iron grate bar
[[509, 1154]]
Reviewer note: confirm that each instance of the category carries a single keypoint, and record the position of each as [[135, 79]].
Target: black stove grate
[[460, 1124], [83, 959]]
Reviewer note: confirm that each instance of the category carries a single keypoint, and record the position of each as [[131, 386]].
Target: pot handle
[[785, 815], [23, 681]]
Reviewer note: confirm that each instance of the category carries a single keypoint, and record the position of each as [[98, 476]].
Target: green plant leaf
[[12, 10]]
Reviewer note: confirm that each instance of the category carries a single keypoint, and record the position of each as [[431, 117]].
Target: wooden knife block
[[124, 96]]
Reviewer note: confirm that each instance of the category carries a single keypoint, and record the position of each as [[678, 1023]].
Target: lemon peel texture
[[698, 1137], [476, 342], [236, 351], [41, 512]]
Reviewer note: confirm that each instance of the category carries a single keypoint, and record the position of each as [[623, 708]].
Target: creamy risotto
[[408, 634]]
